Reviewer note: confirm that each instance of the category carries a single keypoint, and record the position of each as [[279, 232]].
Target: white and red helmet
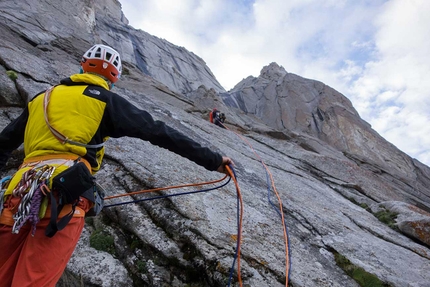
[[102, 60]]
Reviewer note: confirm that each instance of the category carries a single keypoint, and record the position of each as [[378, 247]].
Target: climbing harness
[[34, 190]]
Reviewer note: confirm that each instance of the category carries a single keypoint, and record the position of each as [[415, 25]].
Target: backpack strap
[[53, 225], [57, 134]]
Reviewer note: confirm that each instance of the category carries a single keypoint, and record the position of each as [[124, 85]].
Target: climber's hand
[[225, 161]]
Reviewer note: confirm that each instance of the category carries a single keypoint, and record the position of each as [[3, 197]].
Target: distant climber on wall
[[58, 168], [217, 118], [222, 117]]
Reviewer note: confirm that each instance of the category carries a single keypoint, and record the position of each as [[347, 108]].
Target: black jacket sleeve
[[124, 119], [12, 137]]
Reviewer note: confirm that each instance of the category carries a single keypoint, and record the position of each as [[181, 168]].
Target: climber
[[63, 130], [217, 118], [222, 117]]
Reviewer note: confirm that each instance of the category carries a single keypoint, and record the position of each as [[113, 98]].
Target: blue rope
[[5, 179], [238, 234], [169, 195]]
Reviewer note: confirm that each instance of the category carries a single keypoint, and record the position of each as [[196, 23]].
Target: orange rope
[[164, 188], [287, 260], [239, 236]]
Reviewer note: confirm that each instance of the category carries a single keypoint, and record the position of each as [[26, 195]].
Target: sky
[[375, 52]]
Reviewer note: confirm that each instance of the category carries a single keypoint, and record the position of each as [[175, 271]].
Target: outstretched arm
[[124, 119]]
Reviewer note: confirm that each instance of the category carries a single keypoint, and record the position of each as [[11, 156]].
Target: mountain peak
[[272, 71], [335, 175]]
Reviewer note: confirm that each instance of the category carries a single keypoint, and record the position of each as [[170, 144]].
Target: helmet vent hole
[[108, 56], [98, 53]]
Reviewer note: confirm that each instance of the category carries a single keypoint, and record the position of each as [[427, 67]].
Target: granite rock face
[[337, 178], [72, 27], [290, 103]]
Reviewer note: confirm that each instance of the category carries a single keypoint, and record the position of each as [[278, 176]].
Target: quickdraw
[[32, 188]]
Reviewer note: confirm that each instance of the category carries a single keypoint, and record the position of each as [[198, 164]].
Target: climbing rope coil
[[32, 189]]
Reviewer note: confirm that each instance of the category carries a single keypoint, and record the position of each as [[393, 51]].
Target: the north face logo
[[94, 92]]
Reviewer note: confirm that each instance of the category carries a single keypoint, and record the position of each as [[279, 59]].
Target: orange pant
[[38, 260]]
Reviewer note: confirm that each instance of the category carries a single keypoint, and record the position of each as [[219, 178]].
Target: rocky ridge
[[335, 175]]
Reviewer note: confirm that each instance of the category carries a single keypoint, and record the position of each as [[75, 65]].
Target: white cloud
[[393, 90], [374, 52]]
